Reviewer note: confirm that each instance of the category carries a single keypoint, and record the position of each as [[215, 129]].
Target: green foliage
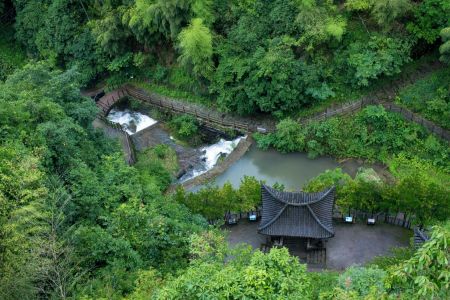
[[104, 221], [213, 202], [258, 70], [319, 23], [264, 276], [430, 97], [431, 16], [157, 166], [444, 49], [249, 193], [394, 257], [77, 222], [196, 48], [12, 56], [185, 126], [420, 187], [362, 280], [379, 135], [385, 12], [176, 93], [324, 180], [288, 136], [380, 56], [358, 5], [322, 282], [426, 274]]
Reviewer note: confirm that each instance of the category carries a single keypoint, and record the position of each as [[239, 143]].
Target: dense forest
[[78, 222]]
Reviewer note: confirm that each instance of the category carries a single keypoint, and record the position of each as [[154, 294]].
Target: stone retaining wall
[[241, 148]]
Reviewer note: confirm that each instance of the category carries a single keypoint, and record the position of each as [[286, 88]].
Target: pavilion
[[297, 214]]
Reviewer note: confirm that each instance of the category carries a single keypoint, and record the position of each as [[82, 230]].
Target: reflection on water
[[131, 121], [293, 169]]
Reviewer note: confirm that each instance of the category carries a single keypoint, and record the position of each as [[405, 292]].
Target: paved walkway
[[352, 243]]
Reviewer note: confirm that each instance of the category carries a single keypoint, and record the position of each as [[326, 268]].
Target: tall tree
[[195, 43]]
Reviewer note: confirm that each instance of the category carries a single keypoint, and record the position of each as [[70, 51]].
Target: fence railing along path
[[385, 97], [206, 116]]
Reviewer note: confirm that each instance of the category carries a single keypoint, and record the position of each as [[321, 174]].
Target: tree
[[426, 274], [380, 56], [195, 43], [262, 276], [249, 193], [288, 137], [431, 16], [385, 12], [320, 24], [444, 49], [185, 126]]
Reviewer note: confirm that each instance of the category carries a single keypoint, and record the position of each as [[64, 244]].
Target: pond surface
[[293, 169]]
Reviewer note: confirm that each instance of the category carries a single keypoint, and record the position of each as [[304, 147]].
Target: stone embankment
[[241, 148]]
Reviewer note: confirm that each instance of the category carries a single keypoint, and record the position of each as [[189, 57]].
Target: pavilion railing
[[397, 219]]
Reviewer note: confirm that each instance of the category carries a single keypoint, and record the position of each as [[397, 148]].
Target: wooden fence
[[214, 119], [341, 109], [352, 107], [207, 117], [409, 115]]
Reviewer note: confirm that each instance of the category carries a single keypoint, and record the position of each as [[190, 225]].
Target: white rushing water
[[211, 155], [131, 121]]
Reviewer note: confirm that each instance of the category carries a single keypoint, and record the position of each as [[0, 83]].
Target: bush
[[289, 136], [361, 280], [430, 97], [380, 56], [372, 133], [185, 126]]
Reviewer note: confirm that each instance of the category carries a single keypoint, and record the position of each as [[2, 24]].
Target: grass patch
[[430, 97], [162, 154], [158, 166]]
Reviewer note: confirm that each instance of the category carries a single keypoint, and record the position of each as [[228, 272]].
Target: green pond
[[292, 169]]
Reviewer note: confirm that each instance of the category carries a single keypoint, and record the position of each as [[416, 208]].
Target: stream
[[199, 160], [292, 170]]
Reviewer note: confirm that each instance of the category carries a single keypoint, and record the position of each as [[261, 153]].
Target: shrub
[[379, 56], [185, 126], [289, 136], [361, 280]]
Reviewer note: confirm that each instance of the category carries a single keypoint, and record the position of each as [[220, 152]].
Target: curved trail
[[213, 118]]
